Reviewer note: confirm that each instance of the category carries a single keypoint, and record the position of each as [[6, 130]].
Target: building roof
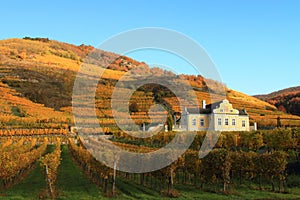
[[213, 105], [243, 112], [209, 108], [198, 111]]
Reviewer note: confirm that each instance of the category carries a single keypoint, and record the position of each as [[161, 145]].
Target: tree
[[133, 107], [216, 167], [278, 122], [170, 122], [192, 163], [243, 164]]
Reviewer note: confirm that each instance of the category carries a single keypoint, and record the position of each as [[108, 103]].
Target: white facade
[[219, 117]]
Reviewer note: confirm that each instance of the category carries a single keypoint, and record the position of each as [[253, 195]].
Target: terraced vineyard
[[37, 77]]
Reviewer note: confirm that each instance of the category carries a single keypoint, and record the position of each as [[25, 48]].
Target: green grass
[[72, 183], [17, 111], [189, 192], [135, 191], [29, 188]]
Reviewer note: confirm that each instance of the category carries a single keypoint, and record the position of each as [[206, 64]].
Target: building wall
[[246, 118], [230, 126], [197, 118]]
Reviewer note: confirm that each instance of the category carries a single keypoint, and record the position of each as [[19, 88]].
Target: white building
[[220, 116]]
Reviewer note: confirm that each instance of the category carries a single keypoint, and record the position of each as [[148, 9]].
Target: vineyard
[[37, 77], [40, 159], [252, 165]]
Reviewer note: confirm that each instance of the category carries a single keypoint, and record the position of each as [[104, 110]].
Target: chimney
[[203, 104]]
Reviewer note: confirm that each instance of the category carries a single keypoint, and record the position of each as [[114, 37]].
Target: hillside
[[17, 111], [40, 73], [286, 100]]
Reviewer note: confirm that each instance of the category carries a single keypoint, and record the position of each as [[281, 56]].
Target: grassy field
[[73, 184], [135, 191]]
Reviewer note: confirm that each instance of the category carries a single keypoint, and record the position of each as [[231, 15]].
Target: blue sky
[[254, 44]]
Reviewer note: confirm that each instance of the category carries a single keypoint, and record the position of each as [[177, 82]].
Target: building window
[[201, 122], [226, 122], [243, 123], [219, 121], [233, 122], [194, 122]]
